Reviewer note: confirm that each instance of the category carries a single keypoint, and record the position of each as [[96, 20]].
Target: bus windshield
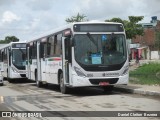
[[18, 58], [100, 49]]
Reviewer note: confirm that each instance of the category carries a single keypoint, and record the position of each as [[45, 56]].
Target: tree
[[77, 18], [119, 20], [132, 27], [9, 39]]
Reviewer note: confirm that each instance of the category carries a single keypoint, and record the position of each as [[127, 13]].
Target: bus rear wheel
[[63, 87]]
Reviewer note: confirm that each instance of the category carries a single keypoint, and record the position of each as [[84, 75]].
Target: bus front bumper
[[78, 81]]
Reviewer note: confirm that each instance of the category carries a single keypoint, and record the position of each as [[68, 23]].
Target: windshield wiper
[[92, 39]]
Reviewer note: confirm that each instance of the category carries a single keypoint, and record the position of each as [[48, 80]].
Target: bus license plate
[[104, 83]]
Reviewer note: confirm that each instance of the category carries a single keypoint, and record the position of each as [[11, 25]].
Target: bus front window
[[100, 49], [18, 58]]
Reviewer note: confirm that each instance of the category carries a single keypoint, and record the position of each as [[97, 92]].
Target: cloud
[[9, 17], [25, 19], [152, 7], [33, 24], [40, 5], [6, 2], [103, 9]]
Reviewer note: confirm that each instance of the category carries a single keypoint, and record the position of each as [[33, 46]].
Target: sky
[[28, 18]]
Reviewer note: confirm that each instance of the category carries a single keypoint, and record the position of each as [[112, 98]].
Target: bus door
[[66, 58], [28, 63], [5, 61], [43, 59], [9, 75]]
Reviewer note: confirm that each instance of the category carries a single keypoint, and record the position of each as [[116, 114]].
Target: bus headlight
[[79, 72], [14, 70], [125, 71]]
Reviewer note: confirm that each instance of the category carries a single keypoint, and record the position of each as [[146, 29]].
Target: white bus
[[13, 60], [78, 55]]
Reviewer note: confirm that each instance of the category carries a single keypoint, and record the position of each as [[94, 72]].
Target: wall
[[154, 55]]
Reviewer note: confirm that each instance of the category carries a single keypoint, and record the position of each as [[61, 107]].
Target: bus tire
[[10, 80], [63, 87], [108, 89], [38, 83]]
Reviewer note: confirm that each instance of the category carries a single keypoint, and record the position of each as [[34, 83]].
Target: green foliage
[[77, 18], [146, 74], [135, 19], [9, 39], [132, 27], [119, 20]]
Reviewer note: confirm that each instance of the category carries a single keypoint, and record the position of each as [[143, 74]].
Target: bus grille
[[109, 80], [23, 75]]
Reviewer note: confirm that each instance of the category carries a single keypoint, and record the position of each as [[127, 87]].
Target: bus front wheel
[[63, 87]]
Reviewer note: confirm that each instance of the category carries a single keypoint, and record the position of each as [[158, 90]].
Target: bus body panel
[[43, 69], [52, 65], [33, 69]]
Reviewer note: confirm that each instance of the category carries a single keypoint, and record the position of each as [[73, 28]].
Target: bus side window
[[0, 56], [58, 49], [34, 50], [55, 43], [50, 46], [5, 54], [30, 51], [43, 49]]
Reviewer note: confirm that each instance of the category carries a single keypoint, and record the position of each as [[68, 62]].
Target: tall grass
[[146, 74]]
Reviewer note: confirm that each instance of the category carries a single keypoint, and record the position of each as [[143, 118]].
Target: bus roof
[[66, 27], [9, 44]]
